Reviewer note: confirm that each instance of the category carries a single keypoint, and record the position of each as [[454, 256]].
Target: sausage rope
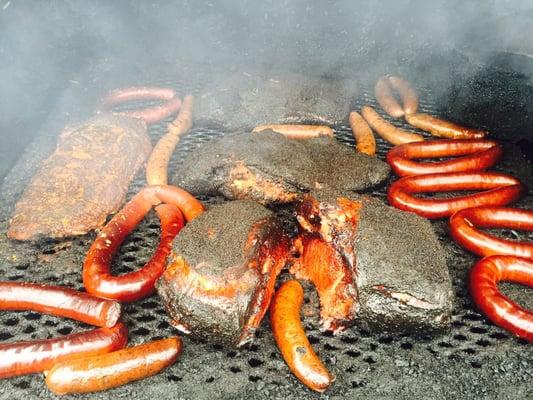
[[97, 277], [471, 155]]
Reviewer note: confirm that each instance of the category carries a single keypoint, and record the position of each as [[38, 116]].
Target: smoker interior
[[472, 360]]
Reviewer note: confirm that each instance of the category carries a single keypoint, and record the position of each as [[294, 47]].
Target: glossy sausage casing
[[464, 224], [386, 130], [150, 115], [364, 138], [297, 131], [476, 155], [292, 342], [59, 301], [28, 357], [97, 277], [484, 279], [496, 189], [110, 370], [442, 128]]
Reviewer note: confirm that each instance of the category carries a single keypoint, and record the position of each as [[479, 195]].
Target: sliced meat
[[221, 275], [244, 100], [84, 180], [371, 264], [270, 168]]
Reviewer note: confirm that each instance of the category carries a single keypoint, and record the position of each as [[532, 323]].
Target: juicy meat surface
[[373, 265], [244, 100], [269, 168], [84, 180], [221, 274]]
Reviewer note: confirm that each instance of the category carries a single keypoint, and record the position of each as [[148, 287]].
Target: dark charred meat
[[244, 100], [84, 180], [379, 267], [269, 168], [221, 274]]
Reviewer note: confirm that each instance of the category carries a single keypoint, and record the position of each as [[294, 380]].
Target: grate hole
[[29, 329], [254, 378], [406, 346], [11, 322], [150, 305], [145, 318], [473, 317], [469, 351], [22, 267], [360, 384], [174, 378], [369, 360], [142, 331], [498, 335], [65, 330], [253, 347], [128, 259], [235, 370], [328, 346], [16, 277], [255, 362], [50, 323], [445, 345], [231, 354], [478, 329], [313, 339], [475, 364], [349, 339], [460, 337], [5, 335], [385, 340], [218, 347], [32, 316], [22, 385], [353, 353], [210, 379], [483, 343], [163, 325]]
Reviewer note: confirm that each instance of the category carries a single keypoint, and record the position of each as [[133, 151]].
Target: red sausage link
[[463, 230], [484, 278], [150, 114], [28, 357], [59, 301], [497, 189], [97, 277], [477, 155], [110, 370]]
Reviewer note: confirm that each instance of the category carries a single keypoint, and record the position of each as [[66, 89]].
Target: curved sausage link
[[442, 128], [157, 165], [464, 224], [364, 138], [97, 277], [150, 115], [385, 98], [28, 357], [388, 131], [497, 189], [291, 131], [106, 371], [475, 155], [406, 92], [292, 342], [484, 279], [59, 301]]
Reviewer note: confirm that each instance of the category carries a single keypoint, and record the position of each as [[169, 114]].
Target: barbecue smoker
[[471, 63]]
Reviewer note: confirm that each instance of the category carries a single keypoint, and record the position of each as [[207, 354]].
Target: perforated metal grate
[[473, 360]]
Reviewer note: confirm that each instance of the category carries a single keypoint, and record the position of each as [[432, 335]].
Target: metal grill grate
[[473, 360]]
